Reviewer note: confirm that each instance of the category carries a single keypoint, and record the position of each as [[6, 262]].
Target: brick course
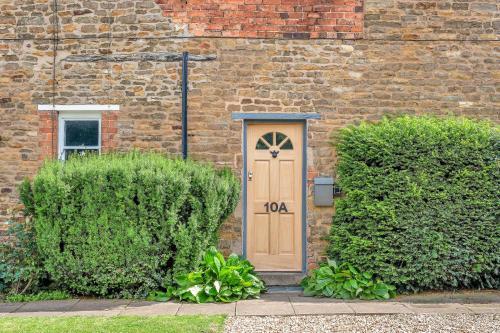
[[346, 81], [268, 18], [47, 135]]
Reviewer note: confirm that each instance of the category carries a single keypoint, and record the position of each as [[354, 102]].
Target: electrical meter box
[[323, 191]]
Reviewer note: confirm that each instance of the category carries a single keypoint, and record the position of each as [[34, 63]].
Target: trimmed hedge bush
[[421, 205], [123, 224]]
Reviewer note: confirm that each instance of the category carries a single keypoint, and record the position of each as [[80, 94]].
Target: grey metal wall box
[[323, 191]]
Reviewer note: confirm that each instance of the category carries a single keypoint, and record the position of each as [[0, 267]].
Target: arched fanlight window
[[274, 139]]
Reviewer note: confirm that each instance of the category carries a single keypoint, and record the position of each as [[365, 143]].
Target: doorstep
[[282, 279]]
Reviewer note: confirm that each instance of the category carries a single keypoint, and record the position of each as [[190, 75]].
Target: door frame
[[303, 218]]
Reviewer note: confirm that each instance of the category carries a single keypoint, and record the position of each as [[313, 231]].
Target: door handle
[[250, 176]]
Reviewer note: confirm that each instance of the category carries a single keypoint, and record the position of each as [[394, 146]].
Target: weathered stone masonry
[[417, 57]]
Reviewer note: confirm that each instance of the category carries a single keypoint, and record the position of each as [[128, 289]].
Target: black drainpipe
[[185, 56]]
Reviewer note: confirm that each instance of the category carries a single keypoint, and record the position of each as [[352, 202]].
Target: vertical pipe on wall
[[185, 57], [54, 115]]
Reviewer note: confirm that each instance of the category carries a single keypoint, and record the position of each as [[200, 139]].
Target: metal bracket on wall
[[337, 190]]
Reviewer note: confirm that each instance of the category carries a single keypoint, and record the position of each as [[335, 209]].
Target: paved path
[[269, 304]]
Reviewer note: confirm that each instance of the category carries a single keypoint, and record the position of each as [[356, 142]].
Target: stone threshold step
[[289, 279], [292, 290]]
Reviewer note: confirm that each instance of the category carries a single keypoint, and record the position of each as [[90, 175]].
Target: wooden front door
[[274, 196]]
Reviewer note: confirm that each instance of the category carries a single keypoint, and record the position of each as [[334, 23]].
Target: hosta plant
[[345, 281], [216, 280]]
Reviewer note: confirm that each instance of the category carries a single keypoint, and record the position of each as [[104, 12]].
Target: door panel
[[286, 234], [274, 196], [261, 175], [262, 229], [286, 186]]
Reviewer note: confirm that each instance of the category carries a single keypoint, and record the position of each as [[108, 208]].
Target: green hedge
[[421, 205], [123, 224]]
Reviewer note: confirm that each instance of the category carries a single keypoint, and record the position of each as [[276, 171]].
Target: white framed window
[[79, 127], [79, 133]]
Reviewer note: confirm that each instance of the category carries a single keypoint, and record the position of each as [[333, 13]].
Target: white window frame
[[76, 115]]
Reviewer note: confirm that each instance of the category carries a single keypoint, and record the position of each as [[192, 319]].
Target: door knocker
[[274, 153]]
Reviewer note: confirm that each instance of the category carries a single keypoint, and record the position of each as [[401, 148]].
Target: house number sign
[[275, 207]]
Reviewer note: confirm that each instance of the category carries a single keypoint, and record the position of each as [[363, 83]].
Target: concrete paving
[[207, 308], [318, 306], [286, 304]]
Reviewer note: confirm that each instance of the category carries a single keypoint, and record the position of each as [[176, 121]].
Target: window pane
[[68, 153], [261, 145], [81, 132], [287, 145], [269, 138], [279, 138]]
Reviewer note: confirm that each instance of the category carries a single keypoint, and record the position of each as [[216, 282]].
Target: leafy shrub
[[421, 202], [345, 281], [41, 296], [20, 267], [216, 280], [123, 224]]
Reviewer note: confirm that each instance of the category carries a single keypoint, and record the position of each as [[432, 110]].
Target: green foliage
[[216, 280], [421, 202], [20, 266], [123, 224], [345, 281], [41, 296]]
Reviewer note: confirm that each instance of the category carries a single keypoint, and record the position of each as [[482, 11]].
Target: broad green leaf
[[217, 285], [195, 290]]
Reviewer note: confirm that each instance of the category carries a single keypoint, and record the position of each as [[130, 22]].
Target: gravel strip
[[453, 323]]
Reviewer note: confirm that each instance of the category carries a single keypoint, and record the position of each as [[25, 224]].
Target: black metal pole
[[185, 57]]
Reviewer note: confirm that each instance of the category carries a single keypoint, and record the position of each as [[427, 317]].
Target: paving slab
[[36, 314], [48, 306], [484, 308], [99, 305], [268, 305], [106, 313], [151, 308], [281, 296], [438, 308], [318, 306], [378, 308], [9, 307], [207, 309], [459, 296]]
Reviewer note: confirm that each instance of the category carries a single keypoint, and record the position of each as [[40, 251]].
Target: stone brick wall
[[37, 19], [25, 72], [26, 19], [267, 18], [432, 19], [346, 81]]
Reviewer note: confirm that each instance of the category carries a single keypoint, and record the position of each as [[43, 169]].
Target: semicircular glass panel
[[274, 139], [287, 145]]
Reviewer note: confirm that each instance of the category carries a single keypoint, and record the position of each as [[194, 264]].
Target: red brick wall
[[47, 133], [300, 19], [109, 129]]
